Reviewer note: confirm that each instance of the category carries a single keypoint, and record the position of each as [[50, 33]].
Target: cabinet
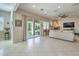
[[7, 35]]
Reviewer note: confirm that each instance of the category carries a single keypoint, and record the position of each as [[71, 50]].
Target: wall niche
[[54, 25]]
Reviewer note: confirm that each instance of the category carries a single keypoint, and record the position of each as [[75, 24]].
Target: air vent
[[75, 4], [42, 9]]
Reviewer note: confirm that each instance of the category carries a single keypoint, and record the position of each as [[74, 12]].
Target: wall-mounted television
[[68, 25]]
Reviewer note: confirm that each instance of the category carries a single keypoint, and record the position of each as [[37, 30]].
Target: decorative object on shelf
[[7, 22], [18, 23], [7, 33], [7, 29]]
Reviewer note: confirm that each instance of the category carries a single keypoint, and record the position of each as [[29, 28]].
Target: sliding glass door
[[32, 28], [29, 29], [36, 28]]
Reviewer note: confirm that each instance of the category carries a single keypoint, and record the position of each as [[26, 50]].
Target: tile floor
[[40, 46]]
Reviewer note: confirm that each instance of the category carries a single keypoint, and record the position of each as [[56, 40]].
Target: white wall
[[18, 32], [6, 16], [76, 20]]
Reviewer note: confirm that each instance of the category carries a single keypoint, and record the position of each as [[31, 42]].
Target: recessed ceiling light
[[33, 6], [59, 6], [10, 8], [45, 12]]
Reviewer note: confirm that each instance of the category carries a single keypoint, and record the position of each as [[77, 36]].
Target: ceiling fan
[[75, 4], [62, 15]]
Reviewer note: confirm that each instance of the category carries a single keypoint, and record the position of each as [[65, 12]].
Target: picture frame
[[18, 23]]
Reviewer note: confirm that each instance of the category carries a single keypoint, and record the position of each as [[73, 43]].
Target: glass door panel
[[32, 29], [29, 29], [36, 28]]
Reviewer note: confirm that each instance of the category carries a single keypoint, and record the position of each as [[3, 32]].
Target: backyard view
[[36, 28], [33, 28]]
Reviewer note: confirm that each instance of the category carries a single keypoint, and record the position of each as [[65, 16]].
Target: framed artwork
[[18, 23]]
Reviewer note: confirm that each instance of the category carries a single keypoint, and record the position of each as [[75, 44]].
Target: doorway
[[36, 28], [29, 28], [32, 28]]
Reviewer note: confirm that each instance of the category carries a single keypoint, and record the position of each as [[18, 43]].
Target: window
[[1, 24], [46, 25]]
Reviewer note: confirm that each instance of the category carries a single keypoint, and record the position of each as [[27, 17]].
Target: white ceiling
[[70, 9], [8, 6], [51, 10]]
